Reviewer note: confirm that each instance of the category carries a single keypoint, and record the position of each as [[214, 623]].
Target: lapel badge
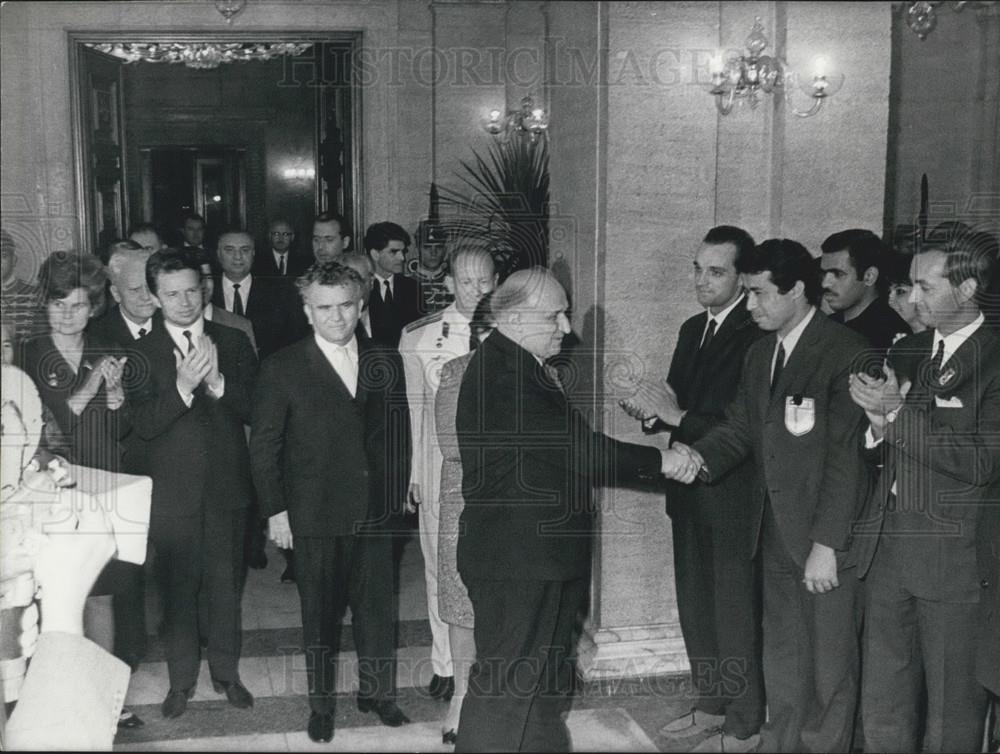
[[946, 376], [52, 379]]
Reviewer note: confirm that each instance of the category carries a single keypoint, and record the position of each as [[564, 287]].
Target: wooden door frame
[[76, 39]]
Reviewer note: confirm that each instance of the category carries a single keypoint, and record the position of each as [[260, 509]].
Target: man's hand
[[821, 569], [653, 398], [191, 370], [681, 463], [279, 530], [878, 396], [413, 499], [213, 379]]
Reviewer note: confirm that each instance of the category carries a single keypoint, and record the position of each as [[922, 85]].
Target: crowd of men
[[832, 472]]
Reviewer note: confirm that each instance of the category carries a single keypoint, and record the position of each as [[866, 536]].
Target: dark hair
[[378, 236], [63, 272], [896, 269], [947, 230], [722, 234], [788, 262], [482, 318], [864, 248], [969, 254], [171, 260], [330, 273], [333, 217]]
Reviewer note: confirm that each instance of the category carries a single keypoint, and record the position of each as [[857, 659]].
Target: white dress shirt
[[343, 359], [720, 318], [792, 339], [134, 328], [277, 260], [381, 286], [227, 291]]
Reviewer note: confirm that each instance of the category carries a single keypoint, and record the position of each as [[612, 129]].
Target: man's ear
[[799, 289], [449, 283], [871, 276], [115, 294], [347, 242], [968, 288]]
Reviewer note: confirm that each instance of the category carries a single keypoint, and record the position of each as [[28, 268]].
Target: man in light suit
[[529, 460], [425, 346], [330, 436], [714, 565], [190, 408], [936, 416], [794, 417]]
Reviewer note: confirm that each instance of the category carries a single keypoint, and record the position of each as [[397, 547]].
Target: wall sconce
[[529, 119], [229, 8], [922, 18], [746, 76]]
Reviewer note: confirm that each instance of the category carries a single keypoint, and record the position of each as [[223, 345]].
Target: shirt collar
[[791, 340], [957, 338], [381, 281], [177, 333], [133, 327], [328, 348], [720, 318], [244, 283]]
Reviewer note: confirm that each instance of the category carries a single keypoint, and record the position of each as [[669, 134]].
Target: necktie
[[473, 341], [281, 264], [346, 368], [387, 296], [709, 334], [937, 361], [779, 364], [237, 300], [142, 331], [187, 334]]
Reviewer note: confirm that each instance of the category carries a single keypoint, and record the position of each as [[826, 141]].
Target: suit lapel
[[796, 363], [320, 366]]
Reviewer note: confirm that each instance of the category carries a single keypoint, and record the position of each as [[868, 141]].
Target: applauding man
[[190, 406]]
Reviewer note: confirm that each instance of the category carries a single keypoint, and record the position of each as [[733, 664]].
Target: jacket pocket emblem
[[800, 415]]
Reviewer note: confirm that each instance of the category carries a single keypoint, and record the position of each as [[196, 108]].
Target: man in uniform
[[425, 346]]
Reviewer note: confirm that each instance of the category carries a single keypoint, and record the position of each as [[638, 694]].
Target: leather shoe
[[257, 559], [320, 727], [692, 723], [176, 702], [288, 575], [236, 693], [386, 710], [449, 737], [128, 720], [442, 687]]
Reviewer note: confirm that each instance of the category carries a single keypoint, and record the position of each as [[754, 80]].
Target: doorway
[[239, 143]]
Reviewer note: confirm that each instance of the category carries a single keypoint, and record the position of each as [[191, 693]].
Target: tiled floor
[[273, 669]]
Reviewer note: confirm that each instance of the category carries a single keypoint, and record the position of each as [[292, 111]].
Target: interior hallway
[[622, 717]]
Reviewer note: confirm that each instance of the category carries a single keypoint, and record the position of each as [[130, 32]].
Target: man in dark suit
[[395, 299], [281, 261], [265, 302], [794, 417], [936, 416], [330, 453], [853, 284], [714, 566], [529, 461], [190, 408]]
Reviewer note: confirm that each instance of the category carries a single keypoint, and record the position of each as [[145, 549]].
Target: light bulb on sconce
[[745, 77], [528, 120], [299, 174]]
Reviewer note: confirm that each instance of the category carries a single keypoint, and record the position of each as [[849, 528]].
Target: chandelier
[[200, 55], [747, 77], [528, 119], [921, 16]]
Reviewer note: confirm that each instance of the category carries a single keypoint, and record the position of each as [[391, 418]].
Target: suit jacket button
[[985, 583]]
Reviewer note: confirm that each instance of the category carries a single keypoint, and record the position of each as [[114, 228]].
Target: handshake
[[681, 463]]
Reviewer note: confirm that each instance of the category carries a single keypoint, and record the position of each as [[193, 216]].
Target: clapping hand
[[213, 378], [877, 395], [112, 370], [192, 369], [653, 399]]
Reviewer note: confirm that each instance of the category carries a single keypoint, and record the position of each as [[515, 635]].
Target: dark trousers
[[130, 616], [332, 572], [718, 601], [200, 563], [811, 656], [522, 681], [912, 644]]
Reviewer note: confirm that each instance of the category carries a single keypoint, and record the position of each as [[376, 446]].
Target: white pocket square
[[953, 402]]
